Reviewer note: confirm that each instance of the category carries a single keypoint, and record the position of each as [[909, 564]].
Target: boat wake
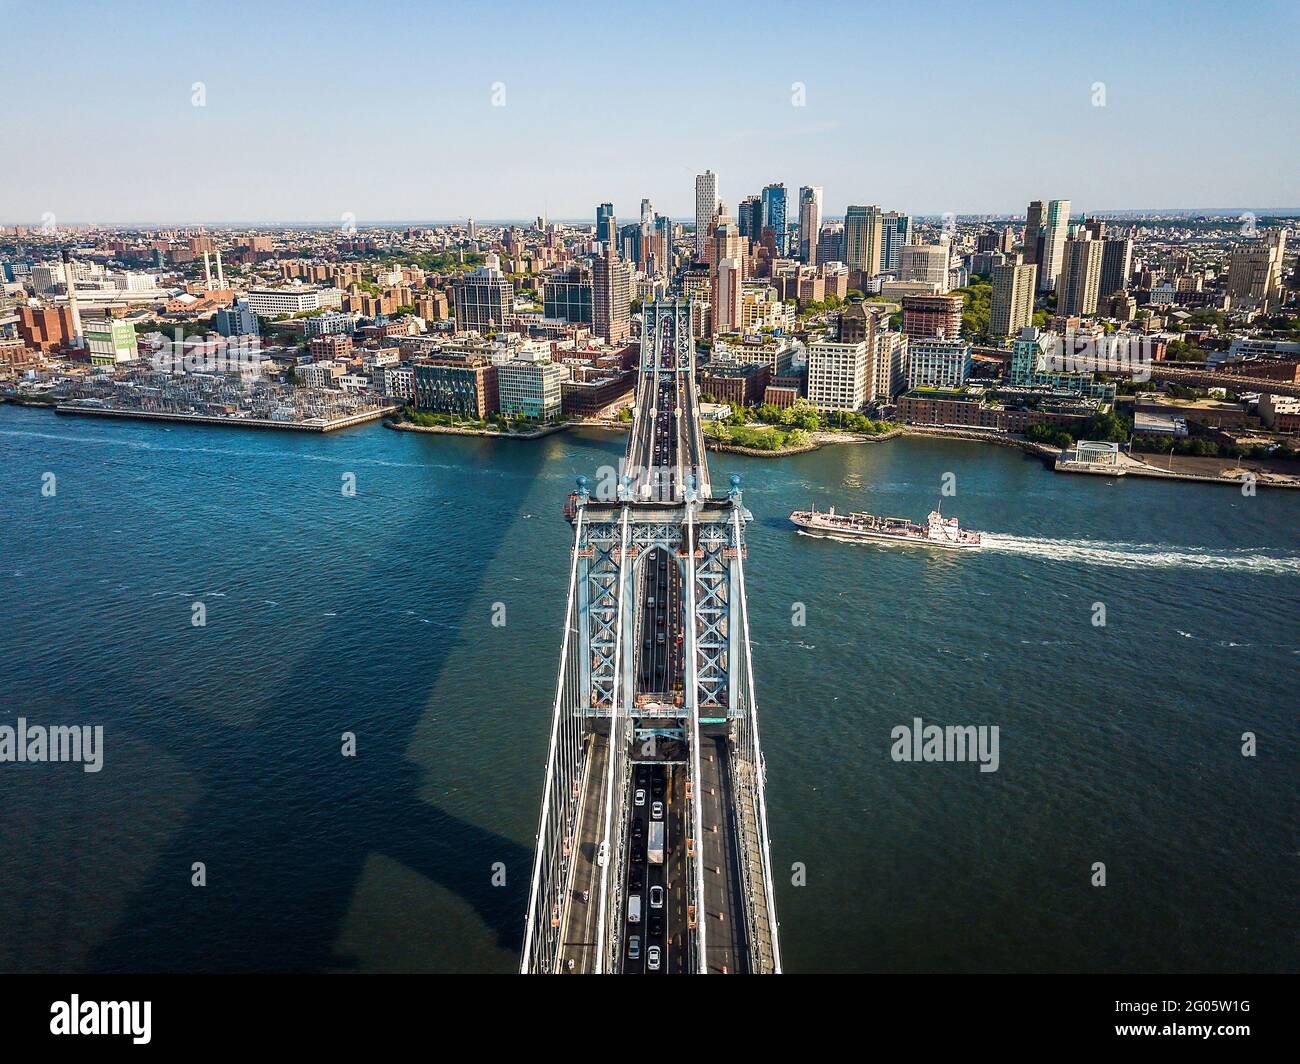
[[1145, 555]]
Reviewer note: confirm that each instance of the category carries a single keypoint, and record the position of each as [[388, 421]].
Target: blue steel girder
[[714, 603], [599, 575]]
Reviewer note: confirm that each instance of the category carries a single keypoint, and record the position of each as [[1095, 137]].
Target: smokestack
[[221, 277], [78, 340], [207, 270]]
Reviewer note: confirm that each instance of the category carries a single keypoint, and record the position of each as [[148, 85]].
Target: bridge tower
[[652, 848]]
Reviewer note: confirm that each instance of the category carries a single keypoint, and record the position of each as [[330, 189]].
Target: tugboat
[[939, 531]]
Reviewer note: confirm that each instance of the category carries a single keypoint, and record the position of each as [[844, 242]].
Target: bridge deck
[[724, 899]]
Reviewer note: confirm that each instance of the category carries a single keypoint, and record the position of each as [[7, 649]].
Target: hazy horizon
[[1226, 213], [168, 113]]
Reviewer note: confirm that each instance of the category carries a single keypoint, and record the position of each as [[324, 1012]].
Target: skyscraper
[[1056, 226], [1077, 287], [611, 283], [774, 215], [629, 243], [726, 295], [663, 242], [830, 244], [706, 202], [862, 232], [895, 232], [605, 223], [1116, 265], [810, 222], [749, 215], [484, 298], [1033, 230], [1012, 306]]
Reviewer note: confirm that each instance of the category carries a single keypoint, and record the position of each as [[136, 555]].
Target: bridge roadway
[[726, 949], [665, 448]]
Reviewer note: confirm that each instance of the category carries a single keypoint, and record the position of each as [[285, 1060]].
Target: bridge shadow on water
[[288, 829]]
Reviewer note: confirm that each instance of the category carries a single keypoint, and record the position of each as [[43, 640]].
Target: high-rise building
[[810, 222], [1116, 265], [895, 234], [937, 363], [706, 203], [774, 215], [927, 263], [605, 224], [611, 311], [1080, 280], [932, 316], [484, 298], [663, 242], [629, 243], [889, 364], [1056, 227], [727, 296], [1012, 305], [862, 239], [830, 244], [839, 374], [1255, 270], [727, 242], [567, 295], [749, 216], [1033, 231]]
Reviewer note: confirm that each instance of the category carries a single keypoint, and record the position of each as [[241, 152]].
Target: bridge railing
[[559, 831]]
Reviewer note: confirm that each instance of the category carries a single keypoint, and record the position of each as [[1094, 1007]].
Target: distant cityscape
[[1168, 332]]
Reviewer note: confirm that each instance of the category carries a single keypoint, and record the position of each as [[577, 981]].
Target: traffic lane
[[676, 875], [635, 885], [657, 873]]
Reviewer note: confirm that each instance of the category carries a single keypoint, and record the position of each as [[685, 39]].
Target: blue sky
[[385, 110]]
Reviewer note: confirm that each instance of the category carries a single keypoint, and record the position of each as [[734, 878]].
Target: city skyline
[[251, 128]]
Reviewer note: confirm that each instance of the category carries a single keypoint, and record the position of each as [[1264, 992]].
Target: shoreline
[[453, 430], [1048, 454], [222, 422]]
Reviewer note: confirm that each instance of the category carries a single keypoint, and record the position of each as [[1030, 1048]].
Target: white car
[[639, 797], [652, 958], [656, 897], [657, 811]]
